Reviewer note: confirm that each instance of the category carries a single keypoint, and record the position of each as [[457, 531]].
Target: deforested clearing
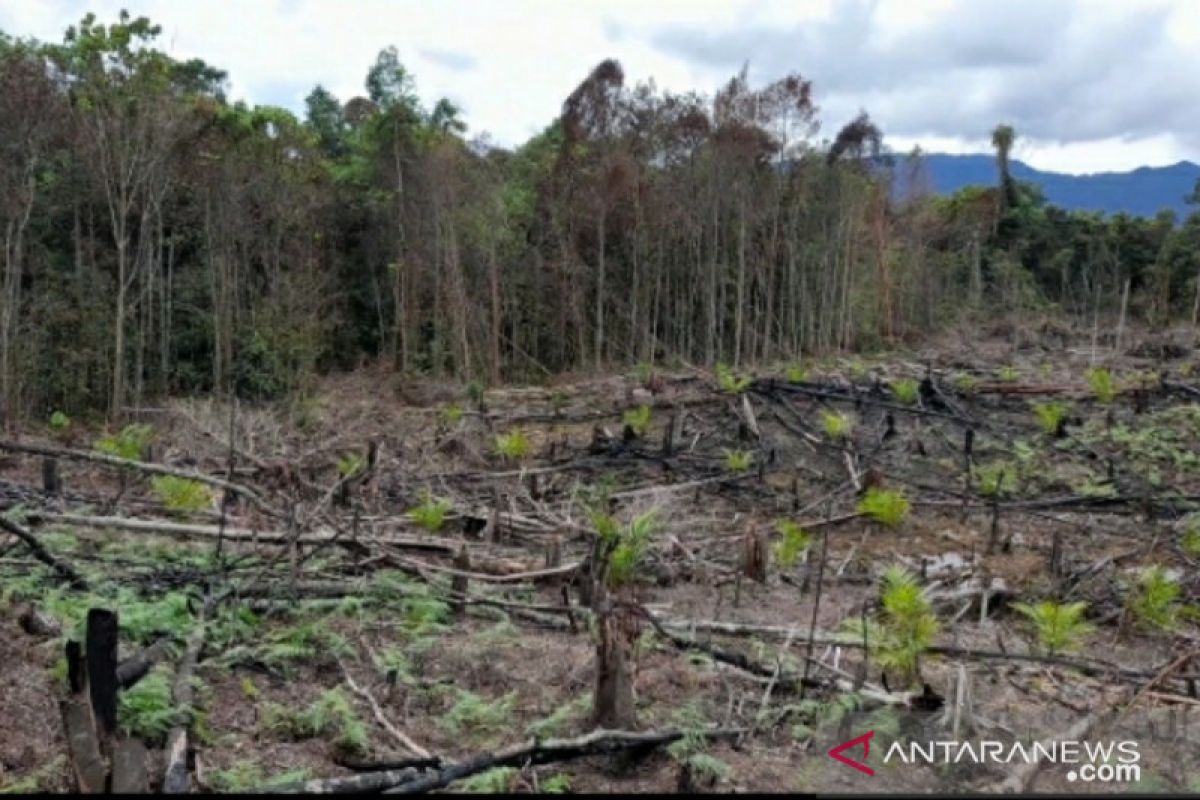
[[384, 591]]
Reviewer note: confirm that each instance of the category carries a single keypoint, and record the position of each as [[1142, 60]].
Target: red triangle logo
[[865, 741]]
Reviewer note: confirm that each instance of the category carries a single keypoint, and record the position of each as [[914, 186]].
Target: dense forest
[[159, 239]]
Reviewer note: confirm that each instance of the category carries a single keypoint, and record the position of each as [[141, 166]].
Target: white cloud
[[510, 64]]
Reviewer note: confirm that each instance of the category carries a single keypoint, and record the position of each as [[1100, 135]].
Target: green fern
[[560, 720], [498, 780], [59, 422], [1008, 374], [706, 766], [146, 710], [886, 506], [310, 640], [40, 781], [245, 777], [472, 713], [331, 714], [559, 783]]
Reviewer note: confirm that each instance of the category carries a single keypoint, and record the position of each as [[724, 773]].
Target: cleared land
[[384, 595]]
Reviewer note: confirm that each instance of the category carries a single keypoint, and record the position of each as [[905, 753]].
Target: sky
[[1089, 85]]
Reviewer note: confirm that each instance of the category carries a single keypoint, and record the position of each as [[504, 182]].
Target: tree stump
[[51, 483], [101, 653], [754, 555], [459, 583], [612, 703]]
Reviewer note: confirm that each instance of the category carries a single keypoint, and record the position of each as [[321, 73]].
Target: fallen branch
[[363, 783], [134, 668], [400, 736], [175, 777], [64, 570], [229, 534], [531, 753], [515, 577]]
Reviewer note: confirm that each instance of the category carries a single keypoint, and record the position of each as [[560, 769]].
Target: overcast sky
[[1090, 85]]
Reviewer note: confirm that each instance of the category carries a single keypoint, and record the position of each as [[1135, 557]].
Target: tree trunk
[[612, 703]]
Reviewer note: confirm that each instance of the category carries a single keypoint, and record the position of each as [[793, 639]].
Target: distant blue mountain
[[1142, 192]]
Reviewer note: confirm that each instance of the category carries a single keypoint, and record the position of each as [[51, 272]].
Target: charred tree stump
[[1056, 557], [101, 654], [566, 602], [494, 521], [76, 671], [668, 438], [79, 725], [51, 482], [994, 535]]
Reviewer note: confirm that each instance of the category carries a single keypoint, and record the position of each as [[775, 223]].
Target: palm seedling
[[906, 391], [514, 445], [1051, 416], [1101, 382], [731, 383], [1058, 627], [638, 420], [1154, 601], [430, 513], [905, 626], [793, 543], [738, 460], [888, 507], [837, 426]]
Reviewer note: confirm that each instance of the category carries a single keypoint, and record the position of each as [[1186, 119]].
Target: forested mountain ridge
[[1144, 191], [159, 239]]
